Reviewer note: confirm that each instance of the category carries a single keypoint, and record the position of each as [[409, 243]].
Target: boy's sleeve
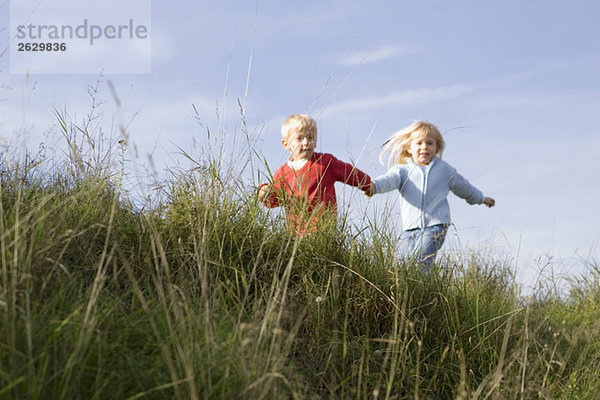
[[463, 189], [350, 175], [391, 180]]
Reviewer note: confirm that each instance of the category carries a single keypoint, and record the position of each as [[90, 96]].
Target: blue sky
[[514, 85]]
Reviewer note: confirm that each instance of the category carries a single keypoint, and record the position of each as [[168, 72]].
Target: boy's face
[[422, 150], [301, 144]]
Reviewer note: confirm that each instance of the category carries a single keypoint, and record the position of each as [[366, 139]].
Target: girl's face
[[301, 144], [422, 149]]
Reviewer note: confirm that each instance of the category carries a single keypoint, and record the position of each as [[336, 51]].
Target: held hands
[[488, 201], [370, 191]]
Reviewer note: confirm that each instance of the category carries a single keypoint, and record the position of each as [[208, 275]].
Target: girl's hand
[[488, 201]]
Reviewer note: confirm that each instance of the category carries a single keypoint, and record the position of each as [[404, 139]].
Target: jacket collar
[[429, 166]]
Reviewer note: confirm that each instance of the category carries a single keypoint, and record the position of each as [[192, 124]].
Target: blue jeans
[[423, 244]]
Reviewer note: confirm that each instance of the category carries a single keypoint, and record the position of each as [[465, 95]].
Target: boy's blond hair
[[299, 122], [398, 144]]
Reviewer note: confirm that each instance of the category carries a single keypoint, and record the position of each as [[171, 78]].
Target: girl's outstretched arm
[[393, 179]]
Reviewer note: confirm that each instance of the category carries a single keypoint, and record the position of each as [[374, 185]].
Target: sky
[[514, 86]]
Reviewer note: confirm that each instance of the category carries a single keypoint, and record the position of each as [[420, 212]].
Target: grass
[[203, 294]]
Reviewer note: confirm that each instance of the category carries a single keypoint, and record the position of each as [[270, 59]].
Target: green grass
[[203, 295]]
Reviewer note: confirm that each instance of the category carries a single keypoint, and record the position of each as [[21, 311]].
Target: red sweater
[[308, 194]]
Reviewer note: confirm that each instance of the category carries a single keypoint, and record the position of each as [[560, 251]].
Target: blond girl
[[423, 181]]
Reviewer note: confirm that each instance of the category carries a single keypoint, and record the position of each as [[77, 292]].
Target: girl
[[424, 181]]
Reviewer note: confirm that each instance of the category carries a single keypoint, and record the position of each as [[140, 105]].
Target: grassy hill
[[202, 295]]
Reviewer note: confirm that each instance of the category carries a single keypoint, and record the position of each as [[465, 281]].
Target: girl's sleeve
[[391, 180], [463, 189]]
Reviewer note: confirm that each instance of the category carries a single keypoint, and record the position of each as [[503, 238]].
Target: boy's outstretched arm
[[488, 201], [349, 174]]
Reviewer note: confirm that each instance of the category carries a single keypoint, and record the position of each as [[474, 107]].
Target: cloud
[[401, 98], [375, 55]]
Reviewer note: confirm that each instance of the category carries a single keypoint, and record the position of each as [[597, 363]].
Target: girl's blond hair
[[395, 149], [300, 122]]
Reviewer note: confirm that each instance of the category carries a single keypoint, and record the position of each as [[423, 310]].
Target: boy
[[304, 185]]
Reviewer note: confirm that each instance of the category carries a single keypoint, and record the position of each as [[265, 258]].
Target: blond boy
[[304, 185]]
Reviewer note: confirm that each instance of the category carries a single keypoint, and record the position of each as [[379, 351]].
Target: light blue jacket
[[424, 191]]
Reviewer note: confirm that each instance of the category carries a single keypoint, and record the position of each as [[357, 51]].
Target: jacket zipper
[[424, 171]]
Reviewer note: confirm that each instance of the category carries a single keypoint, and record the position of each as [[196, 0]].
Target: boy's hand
[[370, 191], [264, 191], [488, 201]]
